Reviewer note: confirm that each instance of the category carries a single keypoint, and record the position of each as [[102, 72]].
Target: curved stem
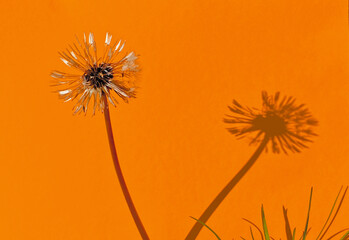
[[194, 232], [117, 167]]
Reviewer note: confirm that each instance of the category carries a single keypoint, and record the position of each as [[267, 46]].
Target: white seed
[[73, 54], [108, 39], [124, 67], [117, 46], [91, 39], [64, 92], [66, 62], [131, 57], [57, 75], [122, 46]]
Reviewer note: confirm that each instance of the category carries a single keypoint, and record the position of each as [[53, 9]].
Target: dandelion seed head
[[96, 76]]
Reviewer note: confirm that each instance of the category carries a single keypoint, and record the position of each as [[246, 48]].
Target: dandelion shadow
[[280, 124]]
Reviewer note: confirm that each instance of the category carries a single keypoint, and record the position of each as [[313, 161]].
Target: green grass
[[291, 235], [265, 228], [324, 230], [207, 227]]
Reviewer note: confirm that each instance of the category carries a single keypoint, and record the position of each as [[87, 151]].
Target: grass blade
[[345, 236], [265, 228], [345, 229], [301, 238], [207, 227], [294, 234], [329, 216], [287, 224], [260, 232], [335, 215], [307, 222], [251, 233]]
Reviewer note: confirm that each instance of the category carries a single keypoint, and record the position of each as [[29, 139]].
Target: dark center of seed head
[[99, 75], [271, 124]]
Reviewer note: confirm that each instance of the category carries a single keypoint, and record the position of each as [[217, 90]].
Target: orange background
[[56, 177]]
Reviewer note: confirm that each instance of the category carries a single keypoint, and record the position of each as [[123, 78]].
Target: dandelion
[[280, 123], [100, 78], [96, 76]]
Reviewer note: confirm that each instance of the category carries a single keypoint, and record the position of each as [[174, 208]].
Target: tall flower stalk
[[118, 171], [100, 77], [282, 124]]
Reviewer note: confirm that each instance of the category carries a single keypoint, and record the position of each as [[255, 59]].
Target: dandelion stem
[[194, 232], [117, 167]]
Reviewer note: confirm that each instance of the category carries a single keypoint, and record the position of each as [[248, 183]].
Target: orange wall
[[56, 175]]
